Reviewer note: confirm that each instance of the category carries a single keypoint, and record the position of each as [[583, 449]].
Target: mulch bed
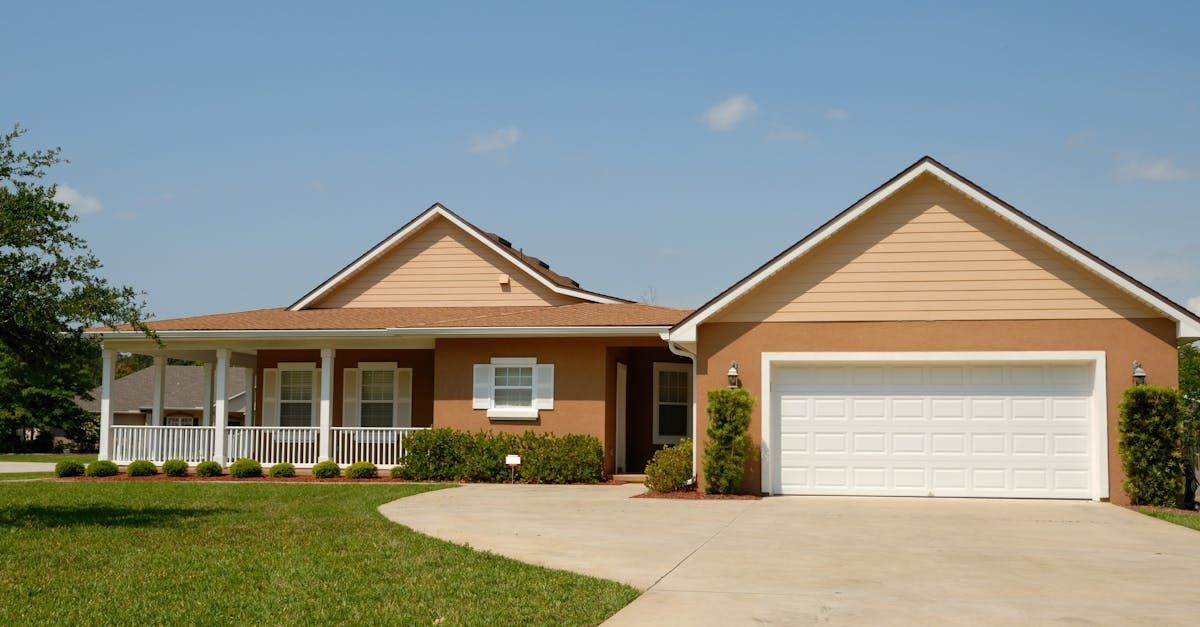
[[693, 495], [226, 478]]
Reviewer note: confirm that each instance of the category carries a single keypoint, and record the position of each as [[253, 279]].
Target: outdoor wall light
[[1139, 375], [733, 375]]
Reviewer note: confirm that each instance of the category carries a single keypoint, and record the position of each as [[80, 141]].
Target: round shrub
[[102, 468], [362, 470], [397, 472], [68, 468], [327, 470], [208, 469], [175, 468], [245, 468], [141, 468], [282, 470], [671, 467]]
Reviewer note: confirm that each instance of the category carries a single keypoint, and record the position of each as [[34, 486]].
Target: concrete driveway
[[789, 560], [8, 467]]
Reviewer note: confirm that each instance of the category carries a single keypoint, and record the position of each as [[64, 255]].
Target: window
[[377, 398], [295, 398], [672, 402], [181, 420], [512, 386]]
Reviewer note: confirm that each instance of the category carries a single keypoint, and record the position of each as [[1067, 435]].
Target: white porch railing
[[274, 445], [158, 444], [382, 446]]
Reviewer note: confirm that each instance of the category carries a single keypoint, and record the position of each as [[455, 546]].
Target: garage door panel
[[995, 430]]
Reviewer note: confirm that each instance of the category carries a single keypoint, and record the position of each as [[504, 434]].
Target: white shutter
[[402, 399], [350, 417], [316, 400], [270, 403], [481, 396], [543, 386]]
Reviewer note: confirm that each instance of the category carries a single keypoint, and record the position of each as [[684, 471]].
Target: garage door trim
[[1099, 400]]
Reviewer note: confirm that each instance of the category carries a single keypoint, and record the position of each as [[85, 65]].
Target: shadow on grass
[[102, 515]]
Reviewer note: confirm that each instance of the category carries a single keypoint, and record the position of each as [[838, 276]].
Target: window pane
[[295, 385], [673, 387], [510, 376], [672, 420], [514, 397], [295, 414], [378, 385], [376, 414]]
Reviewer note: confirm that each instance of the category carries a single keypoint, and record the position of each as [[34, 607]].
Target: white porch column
[[206, 416], [249, 396], [160, 381], [221, 403], [108, 358], [326, 408]]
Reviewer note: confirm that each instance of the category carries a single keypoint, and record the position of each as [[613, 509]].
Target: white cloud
[[1193, 303], [496, 141], [725, 116], [837, 114], [1155, 170], [784, 134], [80, 203]]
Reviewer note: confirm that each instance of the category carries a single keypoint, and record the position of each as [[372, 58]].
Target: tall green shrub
[[1150, 428], [728, 445]]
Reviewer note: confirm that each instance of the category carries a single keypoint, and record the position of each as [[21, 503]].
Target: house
[[184, 401], [928, 340]]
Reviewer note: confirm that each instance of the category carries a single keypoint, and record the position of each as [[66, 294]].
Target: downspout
[[682, 352]]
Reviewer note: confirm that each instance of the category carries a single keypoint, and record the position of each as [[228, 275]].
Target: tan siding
[[441, 265], [930, 253]]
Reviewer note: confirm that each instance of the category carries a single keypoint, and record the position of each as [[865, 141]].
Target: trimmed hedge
[[245, 468], [283, 469], [1150, 429], [327, 469], [175, 468], [671, 467], [141, 468], [68, 468], [101, 468], [362, 470], [728, 445], [450, 455], [208, 469]]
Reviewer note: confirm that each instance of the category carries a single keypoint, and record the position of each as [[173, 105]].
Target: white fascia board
[[440, 211], [610, 331]]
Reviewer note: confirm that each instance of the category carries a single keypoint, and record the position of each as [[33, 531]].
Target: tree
[[728, 445], [50, 293], [1189, 390]]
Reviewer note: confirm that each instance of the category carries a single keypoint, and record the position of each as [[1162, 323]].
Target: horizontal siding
[[930, 253], [441, 266]]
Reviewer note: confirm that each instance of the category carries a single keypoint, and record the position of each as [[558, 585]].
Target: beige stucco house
[[929, 340]]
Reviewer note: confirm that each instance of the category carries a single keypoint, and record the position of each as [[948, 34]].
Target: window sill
[[669, 439], [512, 413]]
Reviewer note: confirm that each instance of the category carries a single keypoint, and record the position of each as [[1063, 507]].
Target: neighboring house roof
[[577, 315], [1187, 323], [535, 267], [184, 390]]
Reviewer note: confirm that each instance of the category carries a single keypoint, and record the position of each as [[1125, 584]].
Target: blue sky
[[229, 156]]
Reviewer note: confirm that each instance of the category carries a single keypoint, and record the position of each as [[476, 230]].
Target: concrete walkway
[[789, 560], [26, 467]]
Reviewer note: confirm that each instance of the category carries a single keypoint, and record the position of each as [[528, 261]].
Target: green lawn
[[1178, 516], [193, 553], [52, 458], [16, 476]]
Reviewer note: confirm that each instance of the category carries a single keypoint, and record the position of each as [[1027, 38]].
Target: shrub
[[671, 468], [101, 468], [175, 468], [141, 468], [68, 468], [483, 457], [397, 472], [572, 458], [282, 470], [435, 455], [728, 446], [327, 469], [1150, 428], [208, 469], [362, 470], [245, 468]]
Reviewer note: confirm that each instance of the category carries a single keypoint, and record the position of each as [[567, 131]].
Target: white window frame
[[686, 369], [314, 403], [513, 413], [192, 421], [383, 366]]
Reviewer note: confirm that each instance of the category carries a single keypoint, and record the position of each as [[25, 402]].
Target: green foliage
[[282, 470], [327, 469], [175, 468], [68, 468], [362, 470], [101, 468], [483, 458], [671, 467], [1149, 429], [397, 472], [208, 469], [450, 455], [141, 468], [435, 454], [728, 445], [571, 458], [245, 468], [51, 290]]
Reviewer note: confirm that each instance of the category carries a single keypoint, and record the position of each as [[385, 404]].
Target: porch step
[[629, 478]]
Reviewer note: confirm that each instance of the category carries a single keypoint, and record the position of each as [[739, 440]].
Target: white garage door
[[987, 430]]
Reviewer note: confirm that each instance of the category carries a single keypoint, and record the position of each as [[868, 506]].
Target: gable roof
[[1187, 323], [184, 390], [535, 267]]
